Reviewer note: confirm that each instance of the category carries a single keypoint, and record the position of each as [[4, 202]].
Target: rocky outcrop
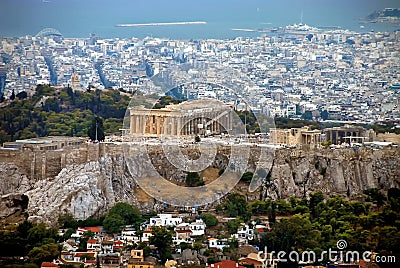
[[340, 171], [89, 181], [84, 190], [13, 178], [13, 207]]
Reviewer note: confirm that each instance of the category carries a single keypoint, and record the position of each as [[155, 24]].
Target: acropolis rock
[[87, 179]]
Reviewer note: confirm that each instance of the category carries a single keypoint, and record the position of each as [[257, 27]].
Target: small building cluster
[[120, 250]]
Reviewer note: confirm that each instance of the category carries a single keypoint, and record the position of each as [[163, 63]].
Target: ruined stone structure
[[296, 136], [188, 118], [348, 134]]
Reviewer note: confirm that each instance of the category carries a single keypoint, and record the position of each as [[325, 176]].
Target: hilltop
[[386, 14], [63, 112]]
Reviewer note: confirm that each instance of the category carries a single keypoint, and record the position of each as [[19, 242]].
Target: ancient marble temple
[[184, 119]]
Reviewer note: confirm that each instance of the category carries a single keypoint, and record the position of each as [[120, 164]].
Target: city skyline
[[79, 19]]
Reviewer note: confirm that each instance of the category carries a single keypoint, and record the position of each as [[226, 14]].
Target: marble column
[[167, 126], [136, 124], [158, 126], [179, 120], [132, 125], [173, 131], [139, 128]]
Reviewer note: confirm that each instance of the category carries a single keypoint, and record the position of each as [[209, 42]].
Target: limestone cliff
[[87, 180]]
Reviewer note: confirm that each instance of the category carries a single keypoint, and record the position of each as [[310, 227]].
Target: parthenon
[[184, 119]]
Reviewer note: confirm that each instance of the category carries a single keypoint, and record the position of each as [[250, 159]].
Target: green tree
[[22, 95], [162, 239], [85, 257], [23, 228], [247, 176], [145, 247], [83, 240], [296, 233], [325, 115], [38, 233], [113, 223], [209, 219], [283, 207], [272, 213], [130, 214], [258, 207], [193, 179], [164, 101], [233, 225], [44, 253], [307, 115], [120, 215], [236, 205], [52, 105], [315, 199], [374, 195], [96, 130], [12, 97]]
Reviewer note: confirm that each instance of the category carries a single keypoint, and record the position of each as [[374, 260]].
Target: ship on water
[[301, 27]]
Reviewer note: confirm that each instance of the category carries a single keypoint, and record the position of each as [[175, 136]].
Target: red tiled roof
[[118, 242], [92, 241], [94, 229], [49, 264], [183, 231], [226, 264], [80, 254]]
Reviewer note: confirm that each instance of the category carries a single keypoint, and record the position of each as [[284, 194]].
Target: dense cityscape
[[351, 76], [277, 149]]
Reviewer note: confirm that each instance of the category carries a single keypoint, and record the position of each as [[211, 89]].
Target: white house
[[93, 245], [107, 246], [217, 243], [79, 232], [129, 236], [146, 236], [165, 220], [243, 234], [183, 236], [198, 227]]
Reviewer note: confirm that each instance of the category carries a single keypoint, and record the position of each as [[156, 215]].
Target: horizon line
[[160, 23]]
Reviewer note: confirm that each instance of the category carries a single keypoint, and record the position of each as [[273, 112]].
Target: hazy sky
[[20, 17]]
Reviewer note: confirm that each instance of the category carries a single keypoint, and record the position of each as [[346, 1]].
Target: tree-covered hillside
[[52, 111]]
